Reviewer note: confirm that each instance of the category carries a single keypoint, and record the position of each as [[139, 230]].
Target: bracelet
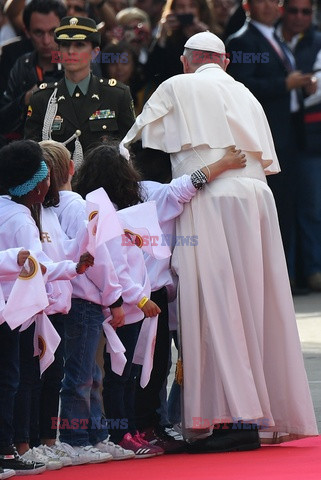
[[143, 301], [100, 4], [198, 179]]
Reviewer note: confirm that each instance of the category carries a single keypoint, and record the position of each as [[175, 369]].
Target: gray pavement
[[308, 314]]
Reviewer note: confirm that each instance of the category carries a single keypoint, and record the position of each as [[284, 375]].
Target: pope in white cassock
[[241, 352]]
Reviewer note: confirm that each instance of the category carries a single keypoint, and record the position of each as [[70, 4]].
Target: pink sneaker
[[141, 451], [140, 437]]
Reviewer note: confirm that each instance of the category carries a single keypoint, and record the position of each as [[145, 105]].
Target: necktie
[[287, 56]]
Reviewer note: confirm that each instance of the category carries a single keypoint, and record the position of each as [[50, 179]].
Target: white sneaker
[[6, 473], [62, 449], [93, 454], [53, 455], [117, 452], [35, 455]]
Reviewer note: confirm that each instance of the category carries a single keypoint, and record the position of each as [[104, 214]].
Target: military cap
[[77, 28]]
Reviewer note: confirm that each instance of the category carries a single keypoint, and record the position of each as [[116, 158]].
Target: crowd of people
[[147, 102]]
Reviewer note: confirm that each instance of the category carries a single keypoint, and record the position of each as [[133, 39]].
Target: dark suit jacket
[[266, 80]]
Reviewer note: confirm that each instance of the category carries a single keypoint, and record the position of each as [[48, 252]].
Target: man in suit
[[81, 109], [304, 40], [272, 77]]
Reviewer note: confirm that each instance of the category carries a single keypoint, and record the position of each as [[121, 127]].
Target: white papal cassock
[[241, 350]]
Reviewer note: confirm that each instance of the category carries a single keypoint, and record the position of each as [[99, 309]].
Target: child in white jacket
[[24, 177], [93, 296]]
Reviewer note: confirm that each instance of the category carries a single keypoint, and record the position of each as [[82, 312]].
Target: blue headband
[[30, 184]]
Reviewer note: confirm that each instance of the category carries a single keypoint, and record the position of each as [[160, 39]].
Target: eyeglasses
[[295, 11]]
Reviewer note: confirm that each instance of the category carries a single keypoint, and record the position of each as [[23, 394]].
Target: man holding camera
[[181, 19]]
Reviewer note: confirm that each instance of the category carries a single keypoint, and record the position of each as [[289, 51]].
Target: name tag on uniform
[[102, 114], [56, 124]]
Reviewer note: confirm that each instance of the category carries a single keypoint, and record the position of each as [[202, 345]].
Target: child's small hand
[[150, 309], [234, 159], [22, 257], [118, 319], [85, 261]]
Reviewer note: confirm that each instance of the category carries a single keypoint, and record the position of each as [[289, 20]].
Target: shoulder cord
[[78, 154], [51, 111]]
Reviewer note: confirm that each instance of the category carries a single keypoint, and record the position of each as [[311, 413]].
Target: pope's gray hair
[[201, 57]]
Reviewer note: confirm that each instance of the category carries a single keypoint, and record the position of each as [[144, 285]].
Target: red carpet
[[291, 461]]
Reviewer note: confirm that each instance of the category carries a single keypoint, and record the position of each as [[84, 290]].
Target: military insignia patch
[[29, 113], [112, 82], [102, 114]]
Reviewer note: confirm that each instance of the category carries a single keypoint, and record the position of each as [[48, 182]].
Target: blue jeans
[[309, 212], [9, 381], [119, 390], [81, 406]]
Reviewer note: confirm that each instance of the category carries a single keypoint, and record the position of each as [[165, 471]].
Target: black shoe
[[158, 436], [231, 440], [10, 459]]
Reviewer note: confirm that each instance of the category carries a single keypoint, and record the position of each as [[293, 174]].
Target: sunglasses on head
[[295, 11]]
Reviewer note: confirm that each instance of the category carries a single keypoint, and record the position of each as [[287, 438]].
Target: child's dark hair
[[19, 161], [105, 167]]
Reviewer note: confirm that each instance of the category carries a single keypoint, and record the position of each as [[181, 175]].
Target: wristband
[[198, 179], [143, 301]]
